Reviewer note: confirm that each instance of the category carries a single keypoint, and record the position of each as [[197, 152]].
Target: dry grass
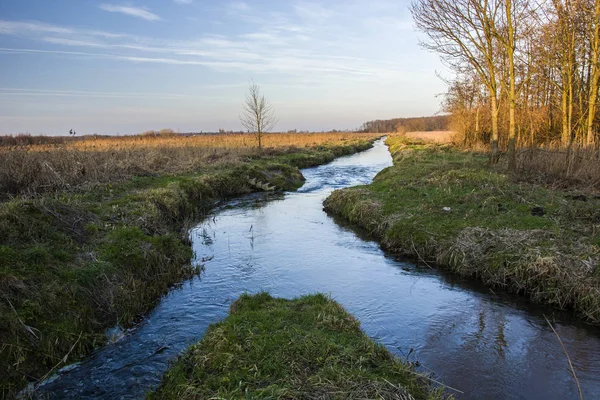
[[226, 140], [560, 168], [535, 262], [432, 136], [29, 170]]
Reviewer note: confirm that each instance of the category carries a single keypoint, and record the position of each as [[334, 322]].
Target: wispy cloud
[[131, 11], [81, 93], [312, 11], [182, 1], [239, 6], [71, 42], [15, 27], [296, 43]]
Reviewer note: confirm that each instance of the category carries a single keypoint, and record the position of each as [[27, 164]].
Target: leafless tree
[[257, 115], [463, 32]]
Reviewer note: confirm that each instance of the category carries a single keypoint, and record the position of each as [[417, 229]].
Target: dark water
[[488, 346]]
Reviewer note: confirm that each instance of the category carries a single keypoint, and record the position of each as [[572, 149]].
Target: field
[[306, 348], [32, 169], [431, 136], [447, 207], [90, 238]]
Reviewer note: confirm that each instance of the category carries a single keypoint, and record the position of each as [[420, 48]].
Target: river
[[486, 345]]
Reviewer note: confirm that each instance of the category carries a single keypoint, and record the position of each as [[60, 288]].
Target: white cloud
[[16, 92], [131, 11], [314, 12], [71, 42], [239, 6], [295, 43], [183, 1], [16, 27]]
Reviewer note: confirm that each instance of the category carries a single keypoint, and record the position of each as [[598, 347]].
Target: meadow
[[30, 166], [94, 232]]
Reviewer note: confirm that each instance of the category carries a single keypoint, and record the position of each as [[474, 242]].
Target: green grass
[[306, 348], [75, 263], [441, 205]]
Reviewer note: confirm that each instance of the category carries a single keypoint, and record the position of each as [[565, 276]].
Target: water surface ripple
[[490, 346]]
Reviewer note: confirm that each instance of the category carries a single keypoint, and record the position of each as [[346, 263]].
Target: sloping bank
[[306, 348], [444, 206], [74, 264]]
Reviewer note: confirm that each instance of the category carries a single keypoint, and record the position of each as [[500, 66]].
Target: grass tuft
[[306, 348]]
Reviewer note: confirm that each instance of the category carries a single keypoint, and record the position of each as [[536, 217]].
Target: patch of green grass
[[449, 207], [306, 348]]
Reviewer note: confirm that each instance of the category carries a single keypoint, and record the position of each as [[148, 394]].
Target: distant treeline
[[436, 123]]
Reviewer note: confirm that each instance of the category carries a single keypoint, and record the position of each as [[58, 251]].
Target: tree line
[[525, 73], [435, 123]]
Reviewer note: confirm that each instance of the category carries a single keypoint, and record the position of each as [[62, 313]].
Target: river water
[[486, 345]]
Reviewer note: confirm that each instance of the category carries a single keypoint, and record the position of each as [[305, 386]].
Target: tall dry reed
[[576, 168], [29, 170]]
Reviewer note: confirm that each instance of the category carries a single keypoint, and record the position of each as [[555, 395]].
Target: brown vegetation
[[401, 125], [39, 168], [578, 169], [432, 136]]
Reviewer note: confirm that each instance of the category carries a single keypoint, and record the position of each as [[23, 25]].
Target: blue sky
[[125, 67]]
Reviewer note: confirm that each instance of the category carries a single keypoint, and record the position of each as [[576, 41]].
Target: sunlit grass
[[306, 348], [36, 169]]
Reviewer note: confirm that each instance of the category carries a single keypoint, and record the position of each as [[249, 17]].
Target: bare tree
[[463, 32], [513, 24], [257, 114], [539, 63]]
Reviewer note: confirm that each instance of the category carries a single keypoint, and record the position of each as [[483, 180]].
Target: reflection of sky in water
[[481, 344]]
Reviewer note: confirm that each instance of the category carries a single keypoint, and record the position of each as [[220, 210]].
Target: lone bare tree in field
[[257, 114]]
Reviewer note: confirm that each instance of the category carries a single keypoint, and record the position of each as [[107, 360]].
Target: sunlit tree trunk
[[594, 73], [510, 44]]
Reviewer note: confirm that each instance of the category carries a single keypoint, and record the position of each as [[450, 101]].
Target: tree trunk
[[594, 75], [477, 124], [565, 137], [259, 137], [494, 156], [510, 49]]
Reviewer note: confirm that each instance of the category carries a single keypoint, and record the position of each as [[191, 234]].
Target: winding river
[[486, 345]]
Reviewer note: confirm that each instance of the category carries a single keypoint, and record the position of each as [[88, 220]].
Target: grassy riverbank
[[307, 348], [75, 262], [444, 206]]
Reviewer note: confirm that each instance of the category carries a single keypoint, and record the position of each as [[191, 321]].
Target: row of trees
[[402, 125], [526, 72]]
